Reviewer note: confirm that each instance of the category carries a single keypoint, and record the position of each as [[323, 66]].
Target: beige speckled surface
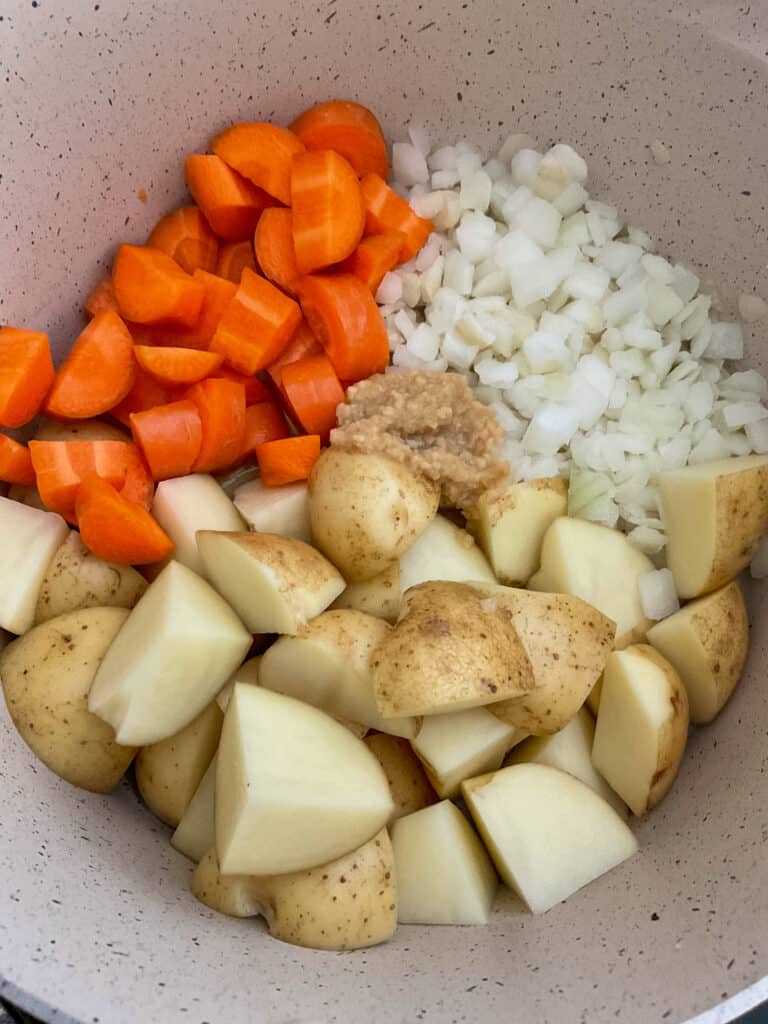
[[100, 99]]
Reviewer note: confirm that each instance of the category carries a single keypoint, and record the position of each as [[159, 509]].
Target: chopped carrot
[[98, 372], [152, 288], [313, 391], [26, 374], [218, 294], [230, 203], [177, 365], [303, 343], [16, 462], [262, 153], [187, 238], [145, 394], [273, 245], [288, 460], [101, 297], [234, 257], [374, 257], [327, 208], [221, 405], [385, 210], [61, 466], [169, 437], [346, 320], [349, 129], [116, 529], [256, 325], [256, 391], [263, 422], [138, 485]]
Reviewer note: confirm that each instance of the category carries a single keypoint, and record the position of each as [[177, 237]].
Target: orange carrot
[[262, 153], [170, 437], [256, 325], [116, 529], [177, 365], [98, 372], [255, 390], [61, 466], [287, 460], [273, 246], [230, 203], [348, 128], [152, 288], [327, 208], [101, 297], [346, 320], [303, 343], [145, 394], [138, 485], [375, 255], [16, 462], [263, 422], [385, 210], [234, 257], [217, 295], [221, 406], [186, 237], [313, 391], [26, 374]]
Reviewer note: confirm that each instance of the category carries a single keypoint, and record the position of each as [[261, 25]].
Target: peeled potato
[[283, 510], [367, 510], [715, 514], [187, 504], [196, 832], [29, 538], [707, 642]]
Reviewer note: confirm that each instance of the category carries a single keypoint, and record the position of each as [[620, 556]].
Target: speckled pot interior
[[100, 100]]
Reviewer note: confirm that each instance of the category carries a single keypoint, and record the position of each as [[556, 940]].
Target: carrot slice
[[327, 207], [152, 288], [273, 245], [234, 257], [221, 406], [262, 153], [374, 257], [263, 422], [231, 204], [177, 365], [61, 466], [348, 128], [98, 372], [256, 391], [138, 485], [287, 460], [303, 343], [101, 297], [170, 437], [145, 394], [313, 391], [385, 210], [256, 326], [26, 374], [346, 320], [116, 529], [16, 462], [187, 238]]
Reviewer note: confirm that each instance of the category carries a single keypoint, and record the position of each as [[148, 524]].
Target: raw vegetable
[[187, 504], [62, 466], [255, 390], [102, 296], [374, 257], [218, 293], [386, 211], [234, 257], [80, 430], [15, 462], [261, 152], [116, 529], [303, 343], [287, 460], [26, 374], [408, 783], [327, 214], [343, 315], [273, 248], [152, 288], [313, 392], [169, 436], [263, 422], [256, 325], [231, 204], [146, 393], [221, 407], [185, 236], [29, 538], [283, 510], [177, 366], [347, 128]]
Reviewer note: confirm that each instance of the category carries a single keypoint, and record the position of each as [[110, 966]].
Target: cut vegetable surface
[[29, 538], [349, 129], [261, 152], [408, 783], [263, 422], [274, 250], [327, 212], [314, 392], [231, 204], [234, 257], [386, 211], [152, 288], [101, 296], [374, 257], [187, 504], [185, 235], [26, 374], [288, 459], [170, 437], [62, 466], [283, 510], [15, 462], [116, 529], [221, 406], [177, 366]]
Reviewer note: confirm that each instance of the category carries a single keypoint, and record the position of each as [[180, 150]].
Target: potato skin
[[674, 733], [78, 579], [46, 675], [411, 789], [367, 510], [227, 894]]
